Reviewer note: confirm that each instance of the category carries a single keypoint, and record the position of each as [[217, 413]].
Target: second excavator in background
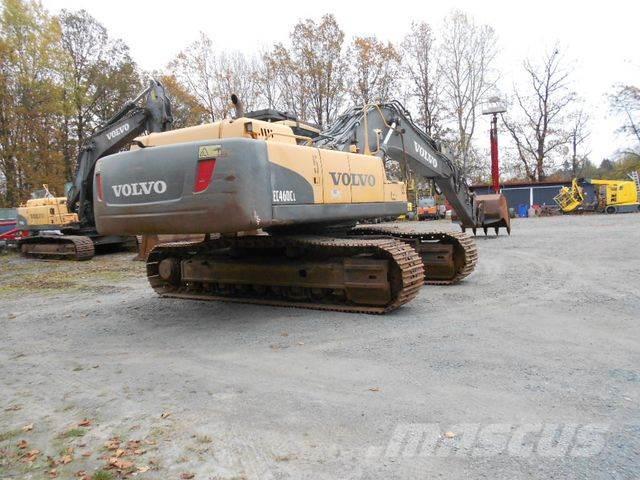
[[64, 227], [278, 211]]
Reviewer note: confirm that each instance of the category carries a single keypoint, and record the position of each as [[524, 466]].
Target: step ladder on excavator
[[636, 179]]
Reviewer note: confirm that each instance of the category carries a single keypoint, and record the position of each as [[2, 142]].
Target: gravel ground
[[528, 369]]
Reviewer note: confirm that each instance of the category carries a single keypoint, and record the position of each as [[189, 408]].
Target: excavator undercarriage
[[344, 274], [447, 257], [59, 247]]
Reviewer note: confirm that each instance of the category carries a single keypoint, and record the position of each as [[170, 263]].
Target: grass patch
[[8, 435], [73, 433], [102, 475], [18, 275]]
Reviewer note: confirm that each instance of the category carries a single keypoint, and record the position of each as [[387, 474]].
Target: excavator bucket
[[493, 212]]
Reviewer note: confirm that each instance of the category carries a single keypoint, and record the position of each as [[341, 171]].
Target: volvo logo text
[[353, 179], [425, 155], [118, 131], [141, 188]]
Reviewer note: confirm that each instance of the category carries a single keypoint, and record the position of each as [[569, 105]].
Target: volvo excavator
[[278, 211], [64, 227]]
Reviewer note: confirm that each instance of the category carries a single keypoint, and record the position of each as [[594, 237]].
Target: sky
[[598, 38]]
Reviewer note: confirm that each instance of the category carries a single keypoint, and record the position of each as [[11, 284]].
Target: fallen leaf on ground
[[31, 456], [120, 463], [150, 442], [449, 434], [13, 408], [284, 334], [284, 458], [53, 473], [112, 444], [66, 459], [119, 452], [22, 444], [187, 476], [144, 468], [86, 454], [81, 474], [165, 414], [374, 389], [85, 423], [300, 343], [27, 428]]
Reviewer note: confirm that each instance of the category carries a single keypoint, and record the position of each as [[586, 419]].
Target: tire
[[610, 209]]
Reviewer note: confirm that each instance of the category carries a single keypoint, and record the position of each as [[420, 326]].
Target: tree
[[195, 68], [289, 81], [425, 78], [31, 100], [186, 110], [319, 46], [98, 77], [538, 127], [578, 133], [269, 94], [311, 69], [211, 77], [467, 55], [626, 101], [374, 70], [236, 74]]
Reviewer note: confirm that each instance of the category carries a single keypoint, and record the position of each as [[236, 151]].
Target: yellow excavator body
[[49, 212]]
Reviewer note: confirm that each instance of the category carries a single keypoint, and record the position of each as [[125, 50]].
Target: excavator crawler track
[[342, 274], [74, 247], [448, 257]]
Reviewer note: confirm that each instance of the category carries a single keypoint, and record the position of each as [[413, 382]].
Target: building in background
[[526, 193]]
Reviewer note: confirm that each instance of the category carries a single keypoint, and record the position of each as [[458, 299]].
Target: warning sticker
[[209, 151]]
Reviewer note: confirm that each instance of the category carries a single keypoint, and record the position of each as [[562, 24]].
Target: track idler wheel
[[169, 270]]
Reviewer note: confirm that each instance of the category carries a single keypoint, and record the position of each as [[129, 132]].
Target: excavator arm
[[387, 130], [128, 123]]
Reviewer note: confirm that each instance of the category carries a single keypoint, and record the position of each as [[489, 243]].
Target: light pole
[[493, 107]]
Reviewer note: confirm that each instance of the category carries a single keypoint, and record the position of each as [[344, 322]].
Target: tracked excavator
[[278, 211], [64, 227]]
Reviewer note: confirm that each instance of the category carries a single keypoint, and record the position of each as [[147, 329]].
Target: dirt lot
[[529, 369]]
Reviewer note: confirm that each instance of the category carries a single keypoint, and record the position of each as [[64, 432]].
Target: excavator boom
[[387, 130]]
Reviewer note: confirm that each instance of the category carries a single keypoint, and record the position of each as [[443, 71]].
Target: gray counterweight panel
[[237, 199]]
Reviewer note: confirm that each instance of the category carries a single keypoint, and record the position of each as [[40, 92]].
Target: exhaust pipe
[[237, 105]]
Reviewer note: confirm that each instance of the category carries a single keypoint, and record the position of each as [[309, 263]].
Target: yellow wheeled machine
[[606, 196]]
